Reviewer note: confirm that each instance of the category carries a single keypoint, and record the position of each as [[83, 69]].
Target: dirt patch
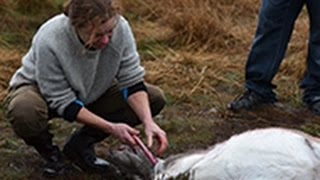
[[21, 161]]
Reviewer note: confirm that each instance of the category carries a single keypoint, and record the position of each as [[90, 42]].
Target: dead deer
[[260, 154]]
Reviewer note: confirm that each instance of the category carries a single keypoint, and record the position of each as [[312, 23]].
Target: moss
[[312, 128]]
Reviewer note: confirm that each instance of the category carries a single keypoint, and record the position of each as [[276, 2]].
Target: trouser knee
[[119, 111], [157, 99], [157, 102], [27, 112]]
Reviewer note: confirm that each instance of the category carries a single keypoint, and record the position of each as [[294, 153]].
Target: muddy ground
[[207, 126]]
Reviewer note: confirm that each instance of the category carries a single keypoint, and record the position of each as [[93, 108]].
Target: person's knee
[[157, 100], [28, 115]]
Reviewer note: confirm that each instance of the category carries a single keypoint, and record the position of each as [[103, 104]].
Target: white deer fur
[[261, 154]]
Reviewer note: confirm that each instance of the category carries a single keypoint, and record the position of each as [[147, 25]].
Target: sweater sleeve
[[51, 79], [126, 92], [130, 71], [71, 111]]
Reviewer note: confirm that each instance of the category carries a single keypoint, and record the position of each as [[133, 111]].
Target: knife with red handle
[[145, 150]]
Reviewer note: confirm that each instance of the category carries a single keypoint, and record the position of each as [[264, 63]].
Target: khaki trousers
[[29, 114]]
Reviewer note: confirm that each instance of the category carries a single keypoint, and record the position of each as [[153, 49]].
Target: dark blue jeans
[[275, 26]]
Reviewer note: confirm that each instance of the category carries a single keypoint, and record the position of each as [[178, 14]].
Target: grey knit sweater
[[64, 70]]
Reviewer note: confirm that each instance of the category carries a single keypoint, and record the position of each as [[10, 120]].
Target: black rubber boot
[[55, 164], [313, 103], [80, 149], [249, 100]]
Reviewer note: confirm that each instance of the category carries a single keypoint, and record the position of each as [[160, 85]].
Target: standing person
[[275, 26], [83, 66]]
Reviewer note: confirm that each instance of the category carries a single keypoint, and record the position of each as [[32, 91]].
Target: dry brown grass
[[205, 43], [3, 3], [10, 60], [208, 45], [200, 24], [32, 7]]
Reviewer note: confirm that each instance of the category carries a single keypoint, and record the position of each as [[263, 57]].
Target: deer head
[[132, 161]]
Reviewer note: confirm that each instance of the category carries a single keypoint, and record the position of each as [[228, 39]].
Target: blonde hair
[[90, 13]]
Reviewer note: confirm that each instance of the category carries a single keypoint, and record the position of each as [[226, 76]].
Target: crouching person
[[83, 66]]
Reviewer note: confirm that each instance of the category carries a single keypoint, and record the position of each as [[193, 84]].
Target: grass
[[195, 50]]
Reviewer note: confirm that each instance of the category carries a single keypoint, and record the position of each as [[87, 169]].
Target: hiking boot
[[55, 164], [80, 150], [54, 168], [249, 100], [313, 104], [315, 108]]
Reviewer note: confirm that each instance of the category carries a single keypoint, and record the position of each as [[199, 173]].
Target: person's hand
[[153, 130], [124, 133]]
